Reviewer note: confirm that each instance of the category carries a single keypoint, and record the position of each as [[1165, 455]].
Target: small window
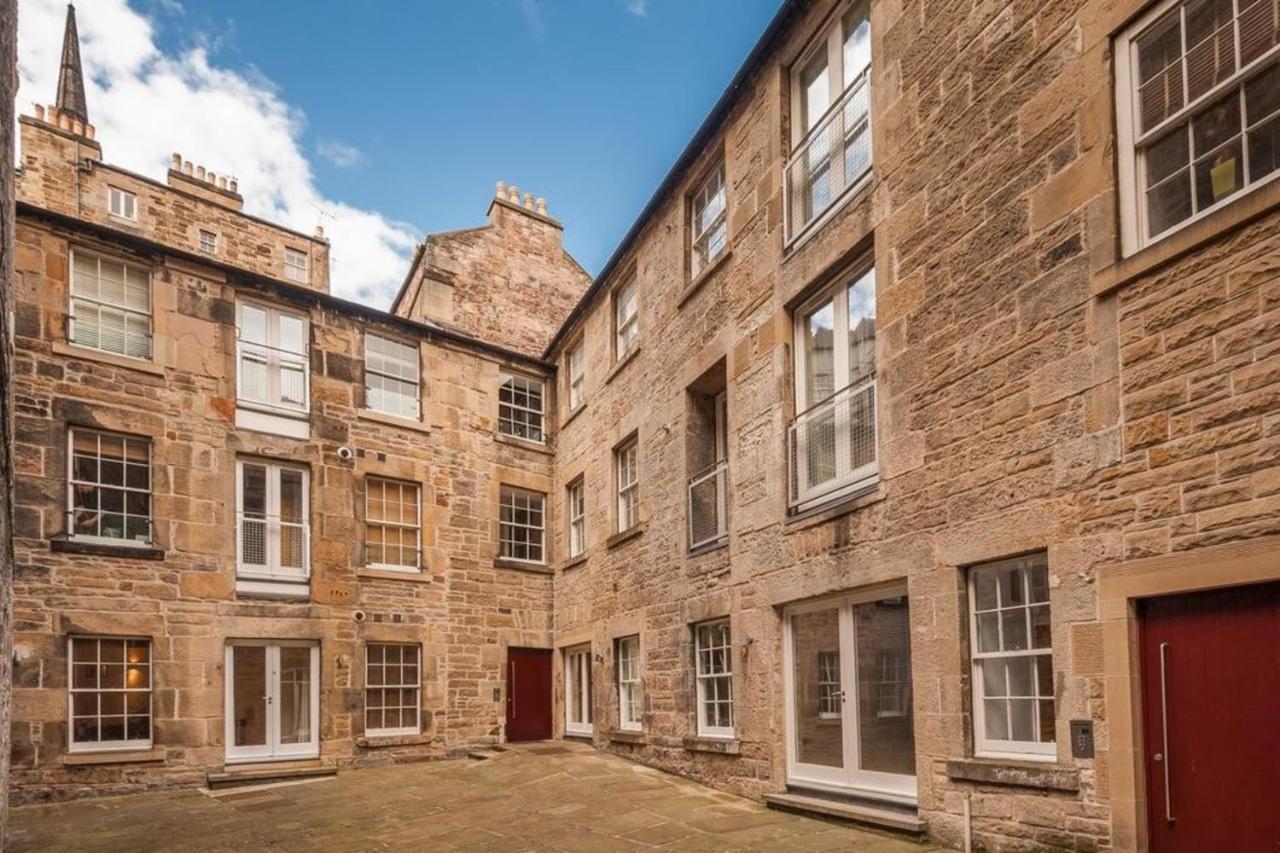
[[110, 694], [625, 326], [274, 532], [714, 653], [577, 512], [626, 459], [110, 305], [1198, 111], [295, 265], [1013, 706], [393, 689], [629, 689], [109, 488], [520, 408], [521, 525], [274, 370], [391, 377], [208, 242], [122, 203], [392, 525], [577, 376], [710, 224], [578, 713]]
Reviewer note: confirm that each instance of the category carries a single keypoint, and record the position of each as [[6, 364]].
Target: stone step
[[256, 774], [898, 819]]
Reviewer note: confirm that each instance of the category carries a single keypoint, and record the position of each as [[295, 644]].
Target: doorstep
[[254, 774], [881, 815]]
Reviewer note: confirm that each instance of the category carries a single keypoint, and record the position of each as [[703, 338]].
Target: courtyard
[[550, 796]]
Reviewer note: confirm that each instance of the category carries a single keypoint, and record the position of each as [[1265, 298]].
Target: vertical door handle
[[1164, 725], [511, 687]]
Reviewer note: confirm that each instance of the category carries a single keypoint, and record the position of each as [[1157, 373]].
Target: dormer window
[[295, 266], [122, 204]]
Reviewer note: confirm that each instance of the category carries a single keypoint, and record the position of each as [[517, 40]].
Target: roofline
[[288, 289], [709, 127], [408, 276]]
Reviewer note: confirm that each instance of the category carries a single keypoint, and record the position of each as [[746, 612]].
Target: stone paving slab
[[525, 800]]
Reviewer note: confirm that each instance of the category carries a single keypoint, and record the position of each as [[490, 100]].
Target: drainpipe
[[968, 825]]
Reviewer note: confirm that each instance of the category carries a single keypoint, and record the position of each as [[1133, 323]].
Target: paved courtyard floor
[[545, 797]]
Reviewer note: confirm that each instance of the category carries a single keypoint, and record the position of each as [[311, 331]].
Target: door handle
[[1165, 758], [511, 687]]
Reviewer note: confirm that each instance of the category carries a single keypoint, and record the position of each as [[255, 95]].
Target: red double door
[[1211, 720], [528, 694]]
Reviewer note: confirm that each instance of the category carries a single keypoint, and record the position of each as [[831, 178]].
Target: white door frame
[[272, 750], [894, 787]]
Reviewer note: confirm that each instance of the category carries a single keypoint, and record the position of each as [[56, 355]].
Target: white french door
[[273, 700], [847, 672]]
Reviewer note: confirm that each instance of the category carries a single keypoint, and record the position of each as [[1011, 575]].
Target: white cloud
[[341, 154], [147, 104], [636, 7]]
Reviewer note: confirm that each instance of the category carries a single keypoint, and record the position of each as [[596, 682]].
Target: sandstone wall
[[462, 608], [1030, 398], [8, 87], [509, 282]]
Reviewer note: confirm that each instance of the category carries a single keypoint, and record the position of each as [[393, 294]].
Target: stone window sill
[[131, 756], [709, 548], [1020, 774], [392, 575], [1252, 205], [393, 420], [621, 363], [625, 536], [573, 562], [104, 549], [85, 354], [385, 741], [631, 736], [516, 565], [714, 745], [523, 444], [842, 505], [701, 278]]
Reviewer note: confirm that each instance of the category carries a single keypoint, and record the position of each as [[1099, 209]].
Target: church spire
[[70, 77]]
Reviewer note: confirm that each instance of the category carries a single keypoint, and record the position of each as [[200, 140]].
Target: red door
[[1211, 720], [528, 694]]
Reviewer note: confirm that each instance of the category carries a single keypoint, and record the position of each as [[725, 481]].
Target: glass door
[[273, 700], [850, 726]]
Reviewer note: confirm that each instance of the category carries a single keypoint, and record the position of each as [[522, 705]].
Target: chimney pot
[[64, 120], [39, 112], [320, 232], [187, 168], [235, 185], [89, 131], [542, 206], [502, 186], [528, 201], [77, 127], [200, 172], [222, 182], [177, 162]]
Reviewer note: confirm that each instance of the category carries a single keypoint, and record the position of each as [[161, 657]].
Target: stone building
[[913, 458]]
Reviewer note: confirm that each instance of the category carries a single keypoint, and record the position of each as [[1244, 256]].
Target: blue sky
[[402, 115]]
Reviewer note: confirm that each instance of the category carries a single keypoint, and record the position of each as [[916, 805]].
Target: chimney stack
[[510, 196], [205, 183]]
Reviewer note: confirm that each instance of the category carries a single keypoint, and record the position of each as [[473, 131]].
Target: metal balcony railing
[[832, 447], [831, 158], [709, 506]]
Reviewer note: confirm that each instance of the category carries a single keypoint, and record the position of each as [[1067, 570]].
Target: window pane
[[1160, 71], [1169, 203], [816, 89], [1219, 175], [1211, 54], [1259, 28], [819, 343], [857, 42]]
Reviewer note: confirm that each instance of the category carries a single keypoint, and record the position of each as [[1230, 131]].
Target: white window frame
[[208, 241], [124, 488], [1131, 168], [271, 570], [713, 187], [627, 478], [272, 355], [630, 685], [576, 511], [577, 375], [507, 543], [984, 747], [577, 670], [415, 685], [122, 204], [514, 386], [708, 639], [297, 265], [626, 318], [399, 365], [99, 305], [147, 666], [382, 483]]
